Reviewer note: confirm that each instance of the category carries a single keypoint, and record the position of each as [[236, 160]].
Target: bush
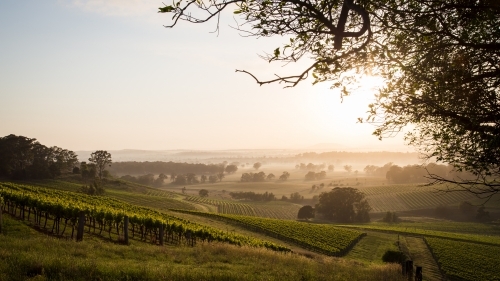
[[391, 217], [394, 257]]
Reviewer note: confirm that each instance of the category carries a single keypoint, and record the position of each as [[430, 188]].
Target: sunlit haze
[[96, 74]]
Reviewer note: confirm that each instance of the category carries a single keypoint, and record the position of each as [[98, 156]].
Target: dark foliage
[[391, 217], [306, 212], [394, 257], [25, 158], [344, 204], [159, 167], [203, 193], [252, 196], [253, 177], [310, 167], [296, 197], [440, 62], [315, 176]]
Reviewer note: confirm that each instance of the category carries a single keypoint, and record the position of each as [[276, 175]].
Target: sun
[[336, 117]]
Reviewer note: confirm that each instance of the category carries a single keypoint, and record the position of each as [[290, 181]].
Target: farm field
[[411, 197], [321, 238], [381, 195], [422, 256], [272, 209], [372, 247], [150, 201], [465, 260], [63, 208], [420, 230], [93, 259]]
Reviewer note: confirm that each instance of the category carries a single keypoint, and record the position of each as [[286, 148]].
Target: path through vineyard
[[422, 257]]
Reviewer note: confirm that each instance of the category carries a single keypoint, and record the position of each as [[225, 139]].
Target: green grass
[[421, 256], [25, 255], [372, 247], [270, 209], [422, 230], [321, 238], [463, 260], [149, 201]]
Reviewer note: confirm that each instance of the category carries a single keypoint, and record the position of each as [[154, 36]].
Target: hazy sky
[[106, 74]]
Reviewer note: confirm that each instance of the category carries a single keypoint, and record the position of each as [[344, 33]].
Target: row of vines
[[325, 239], [56, 211], [411, 197], [417, 230], [465, 261], [265, 210]]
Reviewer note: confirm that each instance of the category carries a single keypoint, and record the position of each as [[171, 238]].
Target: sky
[[107, 74]]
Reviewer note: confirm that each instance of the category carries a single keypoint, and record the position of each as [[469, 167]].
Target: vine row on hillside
[[106, 214], [465, 261], [321, 238], [415, 230], [260, 209]]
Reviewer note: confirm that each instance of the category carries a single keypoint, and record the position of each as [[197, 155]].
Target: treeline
[[180, 179], [315, 176], [413, 173], [159, 167], [254, 177], [26, 158], [341, 204], [359, 157], [148, 179], [261, 176], [252, 196], [313, 167]]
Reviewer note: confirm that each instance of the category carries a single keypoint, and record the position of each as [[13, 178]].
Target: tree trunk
[[81, 227]]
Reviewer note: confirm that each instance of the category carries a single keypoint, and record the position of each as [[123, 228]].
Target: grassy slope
[[467, 228], [26, 254], [373, 246], [488, 236], [421, 256]]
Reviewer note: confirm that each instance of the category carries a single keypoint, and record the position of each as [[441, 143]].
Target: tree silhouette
[[344, 205], [257, 165], [203, 192], [439, 61], [306, 212]]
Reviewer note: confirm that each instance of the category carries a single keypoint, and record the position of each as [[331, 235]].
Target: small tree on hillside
[[284, 176], [343, 204], [305, 213], [348, 168], [220, 176], [101, 159], [212, 179], [203, 178], [230, 169], [203, 192], [482, 214], [270, 176], [296, 197], [257, 165], [391, 217]]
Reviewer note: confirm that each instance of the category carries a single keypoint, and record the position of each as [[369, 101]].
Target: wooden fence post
[[418, 274], [125, 230], [1, 222], [409, 270], [162, 234], [81, 227]]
